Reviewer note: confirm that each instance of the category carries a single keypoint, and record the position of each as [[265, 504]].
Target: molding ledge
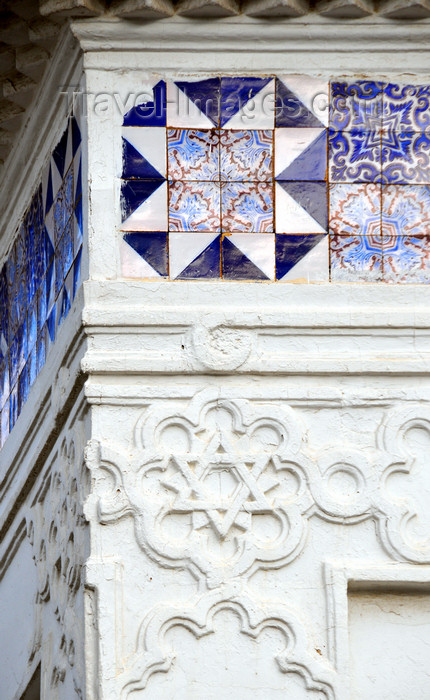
[[217, 328], [238, 34]]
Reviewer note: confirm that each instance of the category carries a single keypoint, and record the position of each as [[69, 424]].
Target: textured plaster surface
[[255, 455]]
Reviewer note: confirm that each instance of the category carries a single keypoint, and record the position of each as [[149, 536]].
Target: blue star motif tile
[[406, 107], [355, 156], [405, 157], [356, 106]]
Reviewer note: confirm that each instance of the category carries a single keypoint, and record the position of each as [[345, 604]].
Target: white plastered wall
[[318, 395], [257, 450]]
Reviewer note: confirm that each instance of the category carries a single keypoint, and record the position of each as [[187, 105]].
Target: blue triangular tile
[[206, 265], [311, 164], [290, 111], [76, 136], [236, 266], [152, 247], [65, 304], [236, 92], [78, 192], [77, 271], [150, 113], [48, 248], [49, 194], [205, 95], [78, 214], [290, 249], [50, 324], [135, 192], [312, 197], [59, 153], [135, 165]]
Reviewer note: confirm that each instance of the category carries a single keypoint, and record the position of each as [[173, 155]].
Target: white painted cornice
[[238, 34], [171, 328], [319, 45]]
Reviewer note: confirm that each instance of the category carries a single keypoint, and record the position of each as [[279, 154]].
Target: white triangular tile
[[183, 112], [312, 92], [186, 247], [259, 248], [150, 141], [133, 265], [56, 178], [291, 217], [258, 113], [290, 143], [49, 223], [152, 213], [313, 267]]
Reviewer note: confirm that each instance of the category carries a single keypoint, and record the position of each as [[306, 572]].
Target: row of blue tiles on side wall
[[41, 275]]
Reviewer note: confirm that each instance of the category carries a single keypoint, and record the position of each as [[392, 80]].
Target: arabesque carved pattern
[[153, 655], [405, 484], [225, 487], [57, 531]]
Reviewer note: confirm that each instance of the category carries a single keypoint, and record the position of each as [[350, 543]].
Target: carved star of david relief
[[224, 488], [216, 487]]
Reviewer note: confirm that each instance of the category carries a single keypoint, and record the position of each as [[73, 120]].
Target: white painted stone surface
[[255, 452]]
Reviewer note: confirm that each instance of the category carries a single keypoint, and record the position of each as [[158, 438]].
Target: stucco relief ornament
[[220, 348], [57, 532], [215, 488], [154, 653], [403, 497]]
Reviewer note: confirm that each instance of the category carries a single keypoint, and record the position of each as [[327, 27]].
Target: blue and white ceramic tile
[[193, 154], [143, 153], [301, 207], [406, 259], [246, 155], [193, 104], [405, 210], [151, 110], [247, 103], [355, 209], [248, 256], [247, 206], [64, 302], [144, 205], [301, 101], [4, 380], [356, 105], [406, 107], [356, 258], [405, 157], [194, 206], [4, 424], [144, 255], [194, 255], [300, 153], [355, 156], [302, 258]]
